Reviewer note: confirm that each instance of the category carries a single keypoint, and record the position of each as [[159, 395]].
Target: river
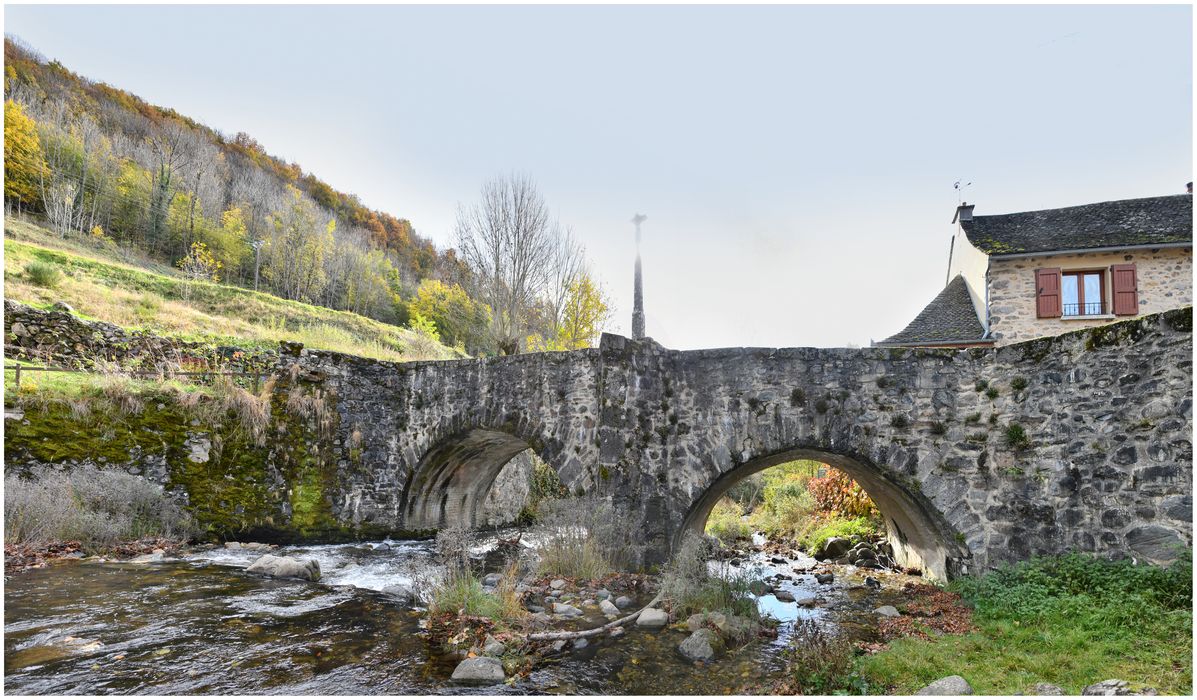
[[201, 625]]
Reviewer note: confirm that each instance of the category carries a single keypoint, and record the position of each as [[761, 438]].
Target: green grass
[[726, 522], [1071, 621], [98, 286]]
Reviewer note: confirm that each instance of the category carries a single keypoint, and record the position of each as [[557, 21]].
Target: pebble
[[557, 584]]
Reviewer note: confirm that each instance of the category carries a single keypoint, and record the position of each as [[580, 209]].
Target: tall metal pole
[[638, 294]]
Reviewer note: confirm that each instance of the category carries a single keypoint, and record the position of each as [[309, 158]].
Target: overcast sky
[[795, 163]]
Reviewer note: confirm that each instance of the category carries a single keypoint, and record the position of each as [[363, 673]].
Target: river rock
[[286, 567], [807, 601], [232, 545], [581, 643], [783, 595], [1046, 689], [602, 594], [608, 608], [825, 578], [872, 582], [616, 632], [557, 584], [493, 647], [833, 548], [565, 609], [652, 618], [952, 685], [888, 611], [1115, 686], [702, 645], [480, 669], [382, 547], [623, 602], [147, 558], [401, 592], [492, 580]]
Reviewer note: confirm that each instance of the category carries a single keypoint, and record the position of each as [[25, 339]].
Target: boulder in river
[[401, 592], [952, 685], [825, 578], [147, 558], [652, 618], [480, 669], [557, 584], [888, 611], [286, 567], [566, 610], [623, 602], [702, 645], [608, 608], [783, 595], [834, 548]]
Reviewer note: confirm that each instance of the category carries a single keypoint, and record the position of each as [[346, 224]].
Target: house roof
[[1126, 222], [949, 319]]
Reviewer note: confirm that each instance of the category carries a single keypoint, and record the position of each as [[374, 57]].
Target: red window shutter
[[1048, 302], [1126, 289]]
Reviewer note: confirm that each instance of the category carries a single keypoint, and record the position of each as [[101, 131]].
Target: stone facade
[[1079, 442], [1165, 277], [61, 338]]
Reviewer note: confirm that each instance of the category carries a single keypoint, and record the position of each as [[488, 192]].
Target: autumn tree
[[460, 320], [294, 252], [23, 162]]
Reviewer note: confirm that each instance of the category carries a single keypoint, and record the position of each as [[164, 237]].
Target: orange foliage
[[838, 493]]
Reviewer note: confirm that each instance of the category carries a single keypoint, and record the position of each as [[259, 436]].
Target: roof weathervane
[[959, 187]]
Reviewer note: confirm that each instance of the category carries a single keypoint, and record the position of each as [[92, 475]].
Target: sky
[[796, 164]]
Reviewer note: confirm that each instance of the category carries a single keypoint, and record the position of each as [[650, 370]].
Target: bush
[[837, 493], [43, 274], [726, 522], [99, 508], [824, 527], [688, 584], [586, 537], [820, 664], [460, 591]]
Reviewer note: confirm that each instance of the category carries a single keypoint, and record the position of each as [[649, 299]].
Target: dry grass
[[97, 285]]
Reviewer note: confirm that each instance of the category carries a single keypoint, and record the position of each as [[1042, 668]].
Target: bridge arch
[[919, 533], [452, 480]]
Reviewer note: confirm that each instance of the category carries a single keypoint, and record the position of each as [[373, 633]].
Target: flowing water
[[201, 624]]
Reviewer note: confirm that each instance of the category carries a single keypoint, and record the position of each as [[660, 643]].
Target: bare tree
[[515, 251]]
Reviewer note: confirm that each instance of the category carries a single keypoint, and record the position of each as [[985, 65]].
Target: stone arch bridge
[[974, 457]]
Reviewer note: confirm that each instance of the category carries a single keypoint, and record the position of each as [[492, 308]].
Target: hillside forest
[[91, 161]]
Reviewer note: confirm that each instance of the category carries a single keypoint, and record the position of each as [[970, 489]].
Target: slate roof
[[949, 319], [1126, 222]]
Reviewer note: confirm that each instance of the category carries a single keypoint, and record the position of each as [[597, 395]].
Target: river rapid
[[200, 624]]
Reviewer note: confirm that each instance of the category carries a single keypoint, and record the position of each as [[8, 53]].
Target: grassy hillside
[[100, 283]]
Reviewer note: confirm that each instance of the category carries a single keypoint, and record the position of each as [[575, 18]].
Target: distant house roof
[[950, 319], [1127, 222]]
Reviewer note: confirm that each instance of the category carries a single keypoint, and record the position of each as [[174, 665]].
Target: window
[[1083, 293]]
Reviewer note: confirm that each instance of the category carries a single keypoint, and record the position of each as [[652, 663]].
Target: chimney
[[964, 212], [1189, 188]]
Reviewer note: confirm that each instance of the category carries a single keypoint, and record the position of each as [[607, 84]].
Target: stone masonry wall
[[1080, 442], [1165, 282], [63, 339]]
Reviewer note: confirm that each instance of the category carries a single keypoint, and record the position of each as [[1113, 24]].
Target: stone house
[[1014, 277]]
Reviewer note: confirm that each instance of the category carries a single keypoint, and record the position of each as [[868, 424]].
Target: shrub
[[825, 527], [820, 664], [726, 522], [689, 586], [43, 274], [99, 508], [586, 536], [838, 493]]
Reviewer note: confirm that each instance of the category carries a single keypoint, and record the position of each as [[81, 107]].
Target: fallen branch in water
[[594, 632]]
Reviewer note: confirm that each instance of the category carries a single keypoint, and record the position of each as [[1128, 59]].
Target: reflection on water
[[203, 625]]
